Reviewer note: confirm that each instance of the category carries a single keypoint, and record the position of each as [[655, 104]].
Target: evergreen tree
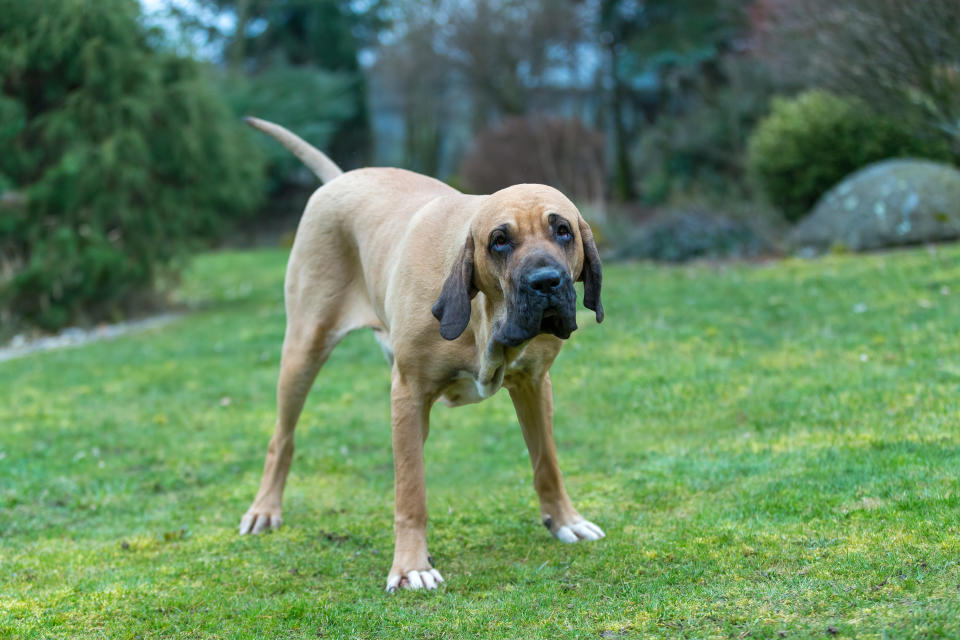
[[122, 157]]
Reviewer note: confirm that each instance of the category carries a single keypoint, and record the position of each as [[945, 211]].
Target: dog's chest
[[466, 389]]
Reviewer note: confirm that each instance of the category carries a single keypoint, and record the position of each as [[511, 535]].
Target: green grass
[[770, 448]]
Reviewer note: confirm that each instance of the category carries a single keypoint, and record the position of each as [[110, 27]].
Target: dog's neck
[[494, 358]]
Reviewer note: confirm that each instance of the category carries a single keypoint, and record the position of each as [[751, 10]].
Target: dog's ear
[[452, 308], [592, 273]]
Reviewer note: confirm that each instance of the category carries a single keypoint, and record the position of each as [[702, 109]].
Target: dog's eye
[[499, 241], [564, 234]]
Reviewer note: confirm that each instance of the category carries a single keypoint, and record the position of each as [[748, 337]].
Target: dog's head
[[526, 247]]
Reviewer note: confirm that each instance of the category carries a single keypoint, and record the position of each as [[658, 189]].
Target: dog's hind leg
[[304, 352], [323, 304]]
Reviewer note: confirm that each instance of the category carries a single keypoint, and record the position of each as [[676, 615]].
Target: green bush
[[121, 157], [684, 234], [810, 142]]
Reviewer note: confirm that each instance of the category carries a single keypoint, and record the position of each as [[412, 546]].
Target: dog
[[465, 294]]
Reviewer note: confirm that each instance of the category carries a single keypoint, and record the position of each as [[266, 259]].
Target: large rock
[[886, 204]]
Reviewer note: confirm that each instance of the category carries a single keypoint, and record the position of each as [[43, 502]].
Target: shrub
[[809, 143], [122, 157], [681, 235], [562, 153]]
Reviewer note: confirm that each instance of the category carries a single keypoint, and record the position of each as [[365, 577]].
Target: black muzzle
[[543, 302]]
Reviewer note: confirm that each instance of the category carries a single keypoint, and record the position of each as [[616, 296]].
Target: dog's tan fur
[[373, 250]]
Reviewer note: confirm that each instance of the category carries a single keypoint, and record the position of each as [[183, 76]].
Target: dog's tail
[[320, 164]]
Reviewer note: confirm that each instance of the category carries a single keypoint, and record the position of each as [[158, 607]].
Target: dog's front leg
[[533, 400], [410, 415]]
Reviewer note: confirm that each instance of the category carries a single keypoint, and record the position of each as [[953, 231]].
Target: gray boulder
[[886, 204]]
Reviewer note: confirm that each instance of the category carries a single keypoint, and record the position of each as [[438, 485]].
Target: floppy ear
[[452, 308], [591, 274]]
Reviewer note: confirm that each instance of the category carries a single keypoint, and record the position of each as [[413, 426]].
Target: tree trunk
[[237, 51], [623, 188]]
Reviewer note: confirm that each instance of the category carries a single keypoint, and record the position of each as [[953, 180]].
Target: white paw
[[583, 530], [258, 521], [429, 579]]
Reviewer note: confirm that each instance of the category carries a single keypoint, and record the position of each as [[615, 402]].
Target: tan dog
[[395, 251]]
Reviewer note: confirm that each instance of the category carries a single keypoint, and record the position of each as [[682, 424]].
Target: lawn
[[773, 450]]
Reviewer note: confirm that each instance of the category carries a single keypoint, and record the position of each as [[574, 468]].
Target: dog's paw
[[574, 531], [415, 579], [259, 520]]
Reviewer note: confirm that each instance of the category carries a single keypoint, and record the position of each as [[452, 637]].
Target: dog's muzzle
[[544, 302]]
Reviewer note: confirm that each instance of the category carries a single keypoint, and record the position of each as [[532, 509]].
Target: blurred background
[[695, 129]]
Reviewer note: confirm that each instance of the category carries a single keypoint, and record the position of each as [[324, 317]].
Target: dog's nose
[[544, 279]]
